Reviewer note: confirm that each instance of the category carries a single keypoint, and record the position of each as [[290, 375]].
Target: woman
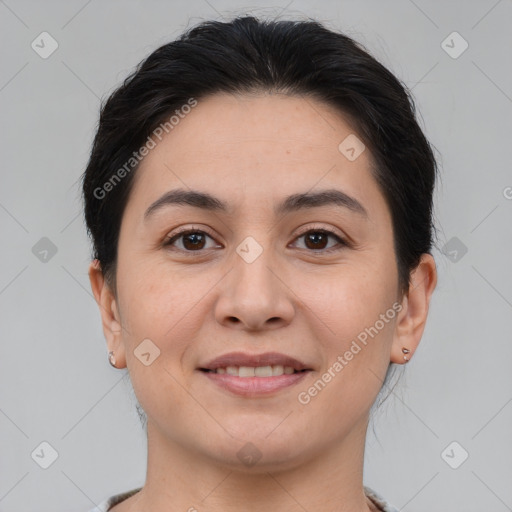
[[259, 196]]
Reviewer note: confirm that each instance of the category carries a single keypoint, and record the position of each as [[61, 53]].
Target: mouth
[[254, 371], [252, 375], [245, 364]]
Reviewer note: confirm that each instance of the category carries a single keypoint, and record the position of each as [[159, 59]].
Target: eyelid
[[342, 240], [184, 231], [315, 227]]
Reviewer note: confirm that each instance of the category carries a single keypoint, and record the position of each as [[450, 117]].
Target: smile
[[242, 381], [258, 371]]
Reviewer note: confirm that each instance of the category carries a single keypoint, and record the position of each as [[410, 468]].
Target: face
[[314, 282]]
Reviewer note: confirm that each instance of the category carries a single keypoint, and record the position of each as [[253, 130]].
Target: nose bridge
[[252, 270], [253, 294]]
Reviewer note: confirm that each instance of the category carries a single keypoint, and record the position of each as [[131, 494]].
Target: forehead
[[225, 124], [261, 147]]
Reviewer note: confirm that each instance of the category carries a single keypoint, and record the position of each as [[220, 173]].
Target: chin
[[259, 449]]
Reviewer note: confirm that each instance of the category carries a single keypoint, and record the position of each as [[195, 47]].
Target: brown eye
[[192, 240], [317, 239]]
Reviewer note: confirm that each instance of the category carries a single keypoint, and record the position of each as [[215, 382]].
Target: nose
[[255, 295]]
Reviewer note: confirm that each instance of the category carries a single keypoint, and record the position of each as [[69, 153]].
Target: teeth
[[277, 370], [263, 371], [259, 371], [246, 371]]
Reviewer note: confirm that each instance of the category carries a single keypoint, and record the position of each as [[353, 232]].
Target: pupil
[[314, 237], [196, 237]]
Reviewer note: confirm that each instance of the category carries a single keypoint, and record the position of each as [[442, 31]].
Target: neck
[[178, 479]]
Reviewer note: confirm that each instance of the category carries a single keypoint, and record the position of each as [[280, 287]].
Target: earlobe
[[413, 317], [110, 318]]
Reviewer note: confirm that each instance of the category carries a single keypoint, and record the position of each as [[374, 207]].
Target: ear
[[109, 313], [413, 316]]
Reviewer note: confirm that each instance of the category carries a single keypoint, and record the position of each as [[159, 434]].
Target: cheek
[[169, 308], [352, 335], [356, 344], [347, 299], [155, 298], [161, 308]]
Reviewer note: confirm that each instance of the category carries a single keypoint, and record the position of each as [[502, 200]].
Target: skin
[[253, 151]]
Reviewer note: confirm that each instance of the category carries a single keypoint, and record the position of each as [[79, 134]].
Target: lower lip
[[255, 386]]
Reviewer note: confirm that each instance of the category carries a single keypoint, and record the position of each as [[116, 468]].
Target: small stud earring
[[112, 359], [405, 351]]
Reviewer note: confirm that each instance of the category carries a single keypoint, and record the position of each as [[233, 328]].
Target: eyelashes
[[194, 240], [169, 242]]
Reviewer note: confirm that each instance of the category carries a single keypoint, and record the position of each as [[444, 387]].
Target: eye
[[316, 239], [193, 240]]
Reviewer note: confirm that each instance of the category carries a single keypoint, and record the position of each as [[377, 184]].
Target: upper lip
[[265, 359]]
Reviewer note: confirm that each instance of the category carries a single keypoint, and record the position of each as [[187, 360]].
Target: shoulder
[[378, 500], [110, 502]]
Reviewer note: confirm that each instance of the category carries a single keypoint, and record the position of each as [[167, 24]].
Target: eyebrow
[[294, 202]]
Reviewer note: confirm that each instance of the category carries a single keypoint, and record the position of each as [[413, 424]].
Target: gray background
[[55, 382]]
